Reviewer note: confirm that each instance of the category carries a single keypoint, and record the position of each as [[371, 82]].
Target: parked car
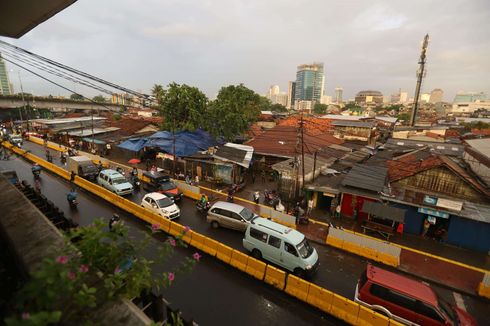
[[281, 246], [159, 182], [230, 216], [406, 300], [16, 140], [83, 166], [161, 204], [115, 182]]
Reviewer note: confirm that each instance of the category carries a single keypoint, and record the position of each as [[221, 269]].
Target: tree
[[99, 98], [278, 108], [320, 108], [233, 111], [405, 117], [76, 97], [158, 92], [265, 104], [182, 107], [352, 106]]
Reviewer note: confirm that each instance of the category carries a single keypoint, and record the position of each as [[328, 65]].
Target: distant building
[[291, 93], [326, 99], [403, 97], [5, 86], [425, 97], [436, 95], [468, 97], [276, 97], [467, 108], [310, 82], [338, 94], [304, 105], [369, 97], [274, 90]]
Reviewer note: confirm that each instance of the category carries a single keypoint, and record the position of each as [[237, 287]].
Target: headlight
[[308, 267]]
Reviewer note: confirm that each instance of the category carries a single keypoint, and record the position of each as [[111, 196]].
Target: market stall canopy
[[235, 153], [384, 211]]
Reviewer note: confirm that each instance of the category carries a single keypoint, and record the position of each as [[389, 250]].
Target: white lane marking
[[459, 301]]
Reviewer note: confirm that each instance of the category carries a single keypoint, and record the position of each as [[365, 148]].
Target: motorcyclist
[[36, 170], [203, 201], [71, 196], [114, 219], [256, 196]]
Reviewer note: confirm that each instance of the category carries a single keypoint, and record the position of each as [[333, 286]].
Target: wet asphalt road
[[213, 293], [338, 270]]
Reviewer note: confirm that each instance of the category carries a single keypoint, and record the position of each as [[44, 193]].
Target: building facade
[[369, 97], [310, 82], [436, 95], [291, 94], [5, 86], [338, 94]]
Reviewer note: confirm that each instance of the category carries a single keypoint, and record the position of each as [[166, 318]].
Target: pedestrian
[[426, 227], [337, 211], [256, 197], [72, 177], [262, 174], [107, 149], [187, 179], [153, 169], [310, 207], [399, 229], [253, 177], [196, 180]]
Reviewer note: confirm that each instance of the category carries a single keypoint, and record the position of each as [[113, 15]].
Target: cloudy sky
[[214, 43]]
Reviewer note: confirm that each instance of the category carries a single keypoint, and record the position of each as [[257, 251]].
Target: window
[[428, 311], [259, 235], [148, 199], [393, 297], [216, 210], [235, 216], [290, 249], [275, 242]]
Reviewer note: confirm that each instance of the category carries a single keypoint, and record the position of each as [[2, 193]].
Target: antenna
[[420, 76]]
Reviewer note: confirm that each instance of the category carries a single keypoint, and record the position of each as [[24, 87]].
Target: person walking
[[337, 211], [72, 177], [256, 197], [310, 207], [426, 227]]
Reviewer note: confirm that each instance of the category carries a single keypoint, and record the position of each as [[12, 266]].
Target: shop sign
[[450, 204], [430, 200], [433, 212]]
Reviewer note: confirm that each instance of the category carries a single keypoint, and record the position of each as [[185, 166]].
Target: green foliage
[[278, 108], [352, 106], [76, 97], [233, 111], [475, 125], [182, 107], [320, 108], [117, 116], [107, 266], [265, 104], [158, 92], [99, 99], [405, 117], [394, 107]]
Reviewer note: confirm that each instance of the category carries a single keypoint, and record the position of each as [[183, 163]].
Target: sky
[[214, 43]]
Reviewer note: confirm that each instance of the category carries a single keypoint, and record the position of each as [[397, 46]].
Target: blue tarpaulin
[[186, 142]]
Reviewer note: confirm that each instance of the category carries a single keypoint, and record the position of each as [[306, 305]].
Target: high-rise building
[[273, 90], [291, 93], [425, 97], [403, 97], [5, 86], [469, 97], [310, 82], [338, 94], [436, 95], [326, 99]]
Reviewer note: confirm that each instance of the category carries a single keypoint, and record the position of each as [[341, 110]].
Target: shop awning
[[384, 211]]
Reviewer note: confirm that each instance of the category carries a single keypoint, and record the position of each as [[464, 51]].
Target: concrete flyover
[[56, 104]]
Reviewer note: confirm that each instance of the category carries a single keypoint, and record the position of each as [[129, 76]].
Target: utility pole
[[314, 165], [302, 153], [23, 101], [93, 136], [420, 75]]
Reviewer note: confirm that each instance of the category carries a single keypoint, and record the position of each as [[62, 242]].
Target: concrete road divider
[[178, 230], [188, 190], [368, 317], [484, 286], [256, 268], [275, 277], [224, 253], [198, 241], [210, 246], [239, 260], [344, 309], [320, 298], [297, 287]]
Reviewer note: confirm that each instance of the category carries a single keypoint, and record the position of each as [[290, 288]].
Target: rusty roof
[[314, 126], [281, 141]]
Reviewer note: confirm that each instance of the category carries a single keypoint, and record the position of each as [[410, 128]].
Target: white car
[[160, 204]]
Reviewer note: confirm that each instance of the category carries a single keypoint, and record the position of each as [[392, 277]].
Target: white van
[[282, 246], [229, 215], [115, 182]]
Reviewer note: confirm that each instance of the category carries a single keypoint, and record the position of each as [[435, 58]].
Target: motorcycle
[[73, 203], [203, 207], [136, 182], [36, 171], [71, 197], [270, 197]]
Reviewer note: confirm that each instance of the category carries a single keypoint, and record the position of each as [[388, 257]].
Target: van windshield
[[448, 311], [247, 214], [304, 248], [118, 181]]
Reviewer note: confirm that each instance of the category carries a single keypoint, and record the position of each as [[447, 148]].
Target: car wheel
[[215, 224], [256, 254], [299, 272]]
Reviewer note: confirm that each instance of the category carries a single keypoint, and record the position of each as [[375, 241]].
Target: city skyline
[[363, 46]]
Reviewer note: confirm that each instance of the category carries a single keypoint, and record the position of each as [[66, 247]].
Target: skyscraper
[[310, 82], [5, 88], [338, 94], [291, 93], [436, 95]]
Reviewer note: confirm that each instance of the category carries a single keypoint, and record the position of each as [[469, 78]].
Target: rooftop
[[372, 178]]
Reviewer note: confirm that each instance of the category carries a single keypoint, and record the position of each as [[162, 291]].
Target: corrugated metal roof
[[236, 153], [371, 178], [436, 147], [358, 124], [384, 211]]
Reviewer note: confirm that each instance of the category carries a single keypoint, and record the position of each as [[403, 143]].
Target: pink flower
[[117, 270], [26, 315], [172, 242], [62, 259], [196, 256], [155, 227], [71, 275], [83, 268], [171, 277], [187, 229]]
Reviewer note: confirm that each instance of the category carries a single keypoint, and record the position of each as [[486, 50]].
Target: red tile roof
[[129, 126], [481, 132], [281, 141], [314, 126]]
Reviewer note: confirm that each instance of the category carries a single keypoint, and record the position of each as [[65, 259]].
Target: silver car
[[231, 216]]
